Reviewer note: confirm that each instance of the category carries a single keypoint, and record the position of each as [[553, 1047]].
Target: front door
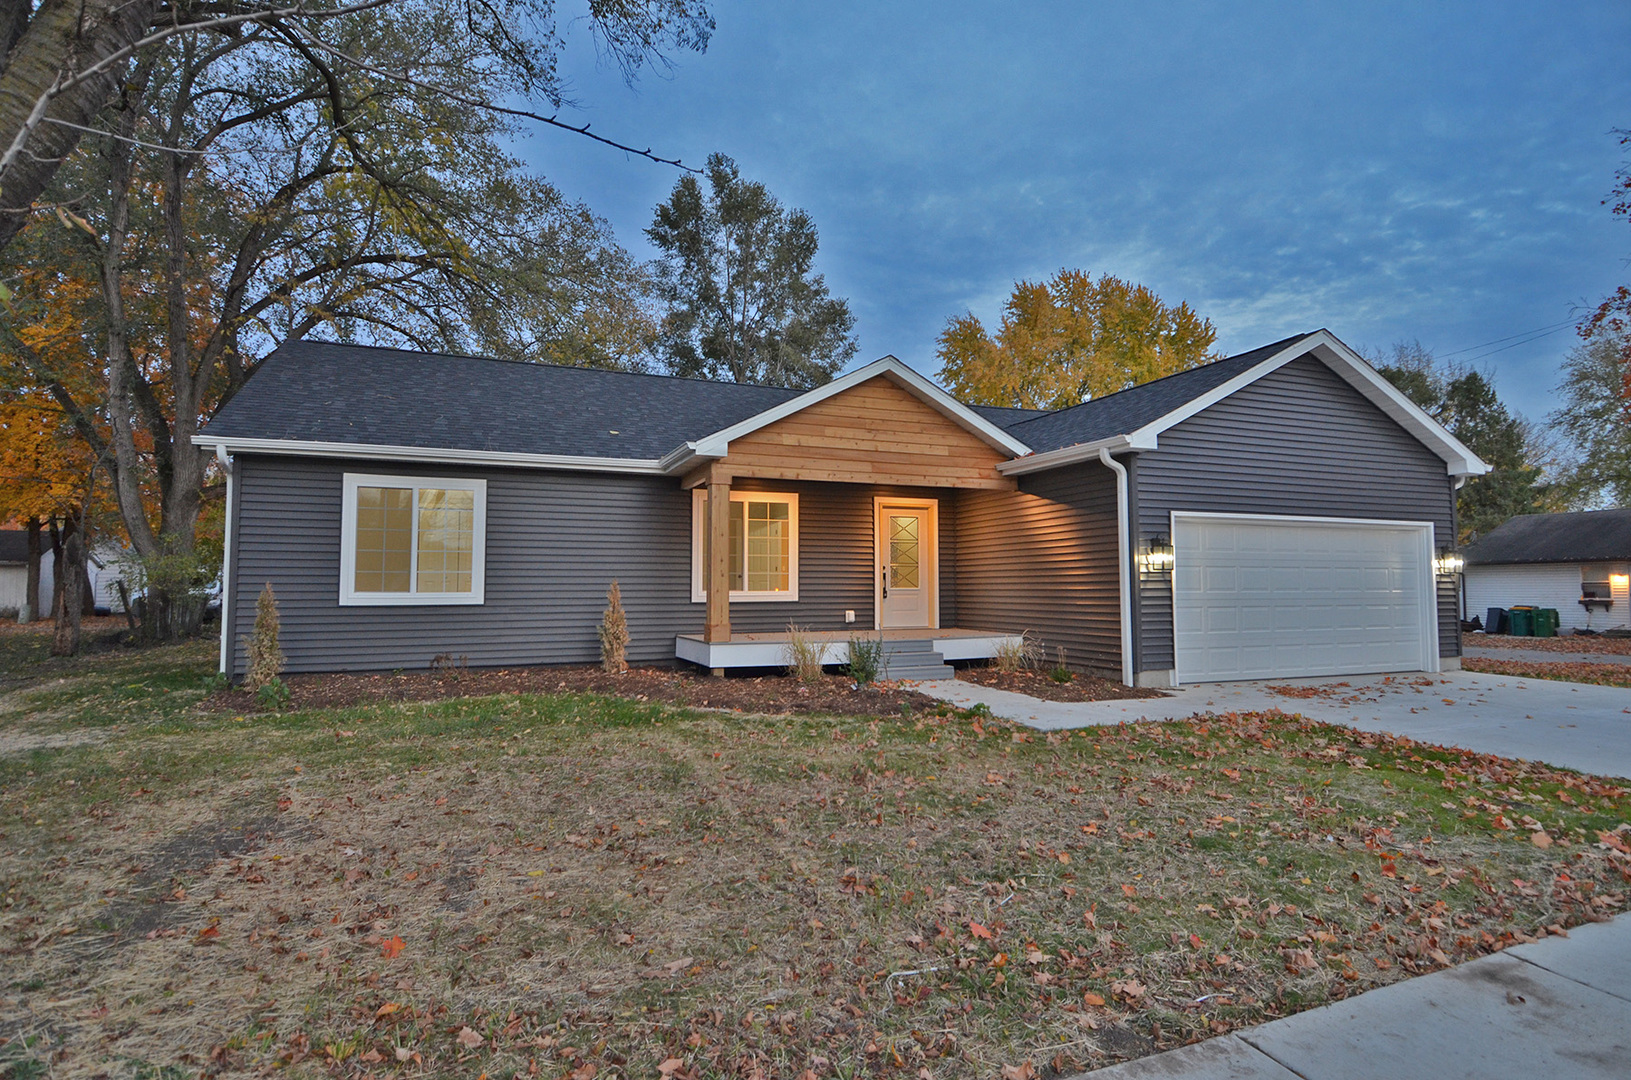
[[906, 566]]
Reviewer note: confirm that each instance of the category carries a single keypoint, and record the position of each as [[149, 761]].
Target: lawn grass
[[588, 886]]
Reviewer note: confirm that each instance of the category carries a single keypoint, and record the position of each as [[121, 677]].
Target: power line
[[1525, 341], [1553, 328]]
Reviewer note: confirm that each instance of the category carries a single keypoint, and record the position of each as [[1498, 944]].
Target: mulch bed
[[1582, 672], [1039, 684], [1573, 643], [771, 694]]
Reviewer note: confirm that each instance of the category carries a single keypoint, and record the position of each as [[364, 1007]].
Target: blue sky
[[1410, 171]]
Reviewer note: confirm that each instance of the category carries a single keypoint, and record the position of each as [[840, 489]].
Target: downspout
[[226, 463], [1123, 563]]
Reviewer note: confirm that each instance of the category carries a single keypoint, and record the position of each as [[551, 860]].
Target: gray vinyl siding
[[1300, 441], [554, 541], [1043, 559]]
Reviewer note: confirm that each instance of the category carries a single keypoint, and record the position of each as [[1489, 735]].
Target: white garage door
[[1266, 597]]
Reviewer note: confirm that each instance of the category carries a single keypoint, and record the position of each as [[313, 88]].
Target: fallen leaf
[[1090, 998], [1540, 839], [387, 1009], [208, 934], [392, 947], [670, 1066], [979, 931], [469, 1037], [1023, 1071]]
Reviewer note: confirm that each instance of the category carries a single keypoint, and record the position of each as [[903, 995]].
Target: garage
[[1266, 597]]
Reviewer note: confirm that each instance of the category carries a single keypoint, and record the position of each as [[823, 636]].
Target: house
[[14, 574], [1277, 513], [1579, 564]]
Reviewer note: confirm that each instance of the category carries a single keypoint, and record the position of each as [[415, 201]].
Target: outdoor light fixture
[[1449, 561], [1158, 556]]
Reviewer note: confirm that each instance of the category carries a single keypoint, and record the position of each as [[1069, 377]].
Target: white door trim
[[932, 548], [1431, 660]]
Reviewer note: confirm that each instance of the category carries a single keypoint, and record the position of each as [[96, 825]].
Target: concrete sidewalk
[[1560, 1008], [1572, 725]]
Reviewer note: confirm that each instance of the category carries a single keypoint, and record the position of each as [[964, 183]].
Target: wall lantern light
[[1157, 556], [1449, 561]]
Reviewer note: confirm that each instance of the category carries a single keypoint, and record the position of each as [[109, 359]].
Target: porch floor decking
[[768, 649]]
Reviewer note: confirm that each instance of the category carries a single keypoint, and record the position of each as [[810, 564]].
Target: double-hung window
[[764, 546], [412, 540]]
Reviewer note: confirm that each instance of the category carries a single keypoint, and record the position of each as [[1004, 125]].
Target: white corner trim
[[349, 597], [430, 455], [717, 445]]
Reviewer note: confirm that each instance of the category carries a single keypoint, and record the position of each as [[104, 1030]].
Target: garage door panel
[[1265, 598]]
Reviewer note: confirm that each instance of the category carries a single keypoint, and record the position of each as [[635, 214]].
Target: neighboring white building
[[14, 573], [1578, 563]]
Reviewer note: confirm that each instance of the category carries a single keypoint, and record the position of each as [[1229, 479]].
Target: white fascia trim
[[717, 445], [436, 455], [1071, 455], [1352, 369]]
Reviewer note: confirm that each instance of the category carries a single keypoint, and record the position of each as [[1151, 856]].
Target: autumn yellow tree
[[1071, 338]]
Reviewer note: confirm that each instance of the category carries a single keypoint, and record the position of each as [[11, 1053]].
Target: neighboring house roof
[[13, 547], [311, 397], [1588, 536]]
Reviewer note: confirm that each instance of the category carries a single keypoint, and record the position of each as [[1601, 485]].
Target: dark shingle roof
[[13, 546], [315, 391], [1589, 536], [1128, 410], [321, 392]]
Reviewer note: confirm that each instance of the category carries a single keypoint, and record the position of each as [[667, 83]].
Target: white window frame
[[350, 597], [699, 522]]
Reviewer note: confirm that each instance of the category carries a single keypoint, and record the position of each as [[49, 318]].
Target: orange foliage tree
[[1071, 338]]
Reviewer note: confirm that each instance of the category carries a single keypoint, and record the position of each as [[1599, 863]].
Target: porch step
[[917, 660]]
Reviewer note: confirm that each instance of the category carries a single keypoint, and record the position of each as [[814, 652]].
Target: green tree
[[738, 274], [1596, 419], [1071, 338], [1611, 320], [346, 178], [1465, 402]]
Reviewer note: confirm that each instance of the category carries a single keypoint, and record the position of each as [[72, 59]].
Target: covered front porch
[[838, 518], [913, 653]]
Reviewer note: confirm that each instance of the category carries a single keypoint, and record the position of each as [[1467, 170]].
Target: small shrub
[[614, 632], [1016, 654], [215, 682], [865, 660], [263, 654], [803, 655], [447, 666], [273, 694], [1059, 673]]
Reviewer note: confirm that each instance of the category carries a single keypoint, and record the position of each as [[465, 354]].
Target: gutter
[[1071, 455], [1123, 562], [431, 454]]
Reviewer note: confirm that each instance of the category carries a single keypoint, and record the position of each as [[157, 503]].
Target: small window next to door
[[764, 558]]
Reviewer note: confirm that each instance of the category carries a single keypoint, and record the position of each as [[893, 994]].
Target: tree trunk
[[69, 591], [63, 36], [31, 593]]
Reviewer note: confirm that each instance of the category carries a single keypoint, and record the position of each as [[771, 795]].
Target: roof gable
[[1143, 412]]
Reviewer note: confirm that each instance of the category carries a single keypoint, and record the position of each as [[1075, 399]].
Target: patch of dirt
[[767, 694], [15, 741], [1039, 684], [1595, 672], [1573, 643]]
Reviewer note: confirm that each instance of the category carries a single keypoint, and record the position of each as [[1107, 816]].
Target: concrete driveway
[[1571, 725]]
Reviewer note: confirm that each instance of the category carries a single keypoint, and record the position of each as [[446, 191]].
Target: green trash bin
[[1546, 622], [1523, 621]]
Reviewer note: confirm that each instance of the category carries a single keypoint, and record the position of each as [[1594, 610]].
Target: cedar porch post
[[717, 580]]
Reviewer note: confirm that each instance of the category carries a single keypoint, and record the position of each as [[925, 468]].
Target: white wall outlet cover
[[849, 616]]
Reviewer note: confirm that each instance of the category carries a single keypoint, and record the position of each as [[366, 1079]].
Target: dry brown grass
[[589, 887]]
